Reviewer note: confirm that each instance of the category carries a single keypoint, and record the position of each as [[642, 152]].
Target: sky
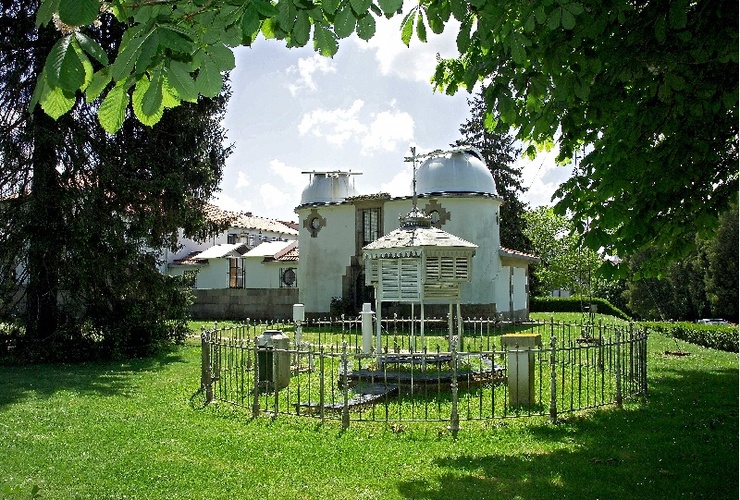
[[293, 111]]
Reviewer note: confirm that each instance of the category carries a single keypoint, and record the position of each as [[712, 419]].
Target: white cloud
[[290, 175], [242, 180], [274, 197], [542, 176], [416, 62], [383, 131], [227, 202], [388, 130], [336, 126], [399, 185], [305, 69]]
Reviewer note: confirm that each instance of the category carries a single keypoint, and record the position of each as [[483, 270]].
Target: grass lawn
[[139, 430]]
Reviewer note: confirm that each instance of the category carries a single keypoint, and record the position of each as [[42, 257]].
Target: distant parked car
[[712, 321]]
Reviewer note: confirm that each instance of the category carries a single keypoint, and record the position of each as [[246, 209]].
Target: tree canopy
[[648, 88], [500, 154], [84, 214]]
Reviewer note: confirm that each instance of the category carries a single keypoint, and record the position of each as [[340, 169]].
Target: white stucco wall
[[512, 298], [259, 274], [213, 275], [324, 258]]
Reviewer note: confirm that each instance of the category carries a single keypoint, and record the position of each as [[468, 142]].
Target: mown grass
[[139, 430]]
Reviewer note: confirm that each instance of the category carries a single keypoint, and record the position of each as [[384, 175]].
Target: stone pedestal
[[519, 348]]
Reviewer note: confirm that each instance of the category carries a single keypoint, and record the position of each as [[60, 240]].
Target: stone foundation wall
[[242, 303]]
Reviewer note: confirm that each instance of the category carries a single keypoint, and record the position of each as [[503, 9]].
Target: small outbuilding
[[418, 264]]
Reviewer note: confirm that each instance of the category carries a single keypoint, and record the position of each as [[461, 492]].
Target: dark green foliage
[[575, 304], [651, 88], [722, 272], [500, 155], [724, 338], [84, 215], [703, 284]]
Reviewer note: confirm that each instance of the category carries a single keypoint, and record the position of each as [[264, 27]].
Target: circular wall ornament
[[314, 222], [289, 277]]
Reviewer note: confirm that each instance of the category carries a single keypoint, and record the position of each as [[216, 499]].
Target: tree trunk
[[44, 251]]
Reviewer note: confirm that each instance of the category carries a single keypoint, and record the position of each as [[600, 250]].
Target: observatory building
[[456, 192]]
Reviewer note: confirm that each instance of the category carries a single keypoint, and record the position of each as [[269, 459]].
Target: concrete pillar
[[367, 328], [520, 375]]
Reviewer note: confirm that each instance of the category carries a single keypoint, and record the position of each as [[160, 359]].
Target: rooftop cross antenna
[[413, 181]]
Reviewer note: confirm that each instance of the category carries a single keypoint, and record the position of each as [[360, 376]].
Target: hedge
[[720, 337], [575, 304]]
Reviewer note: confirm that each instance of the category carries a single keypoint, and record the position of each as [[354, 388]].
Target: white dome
[[456, 171], [328, 187]]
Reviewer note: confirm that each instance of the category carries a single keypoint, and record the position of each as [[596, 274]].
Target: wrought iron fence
[[493, 370]]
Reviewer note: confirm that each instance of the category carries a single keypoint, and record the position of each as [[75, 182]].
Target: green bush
[[574, 304], [721, 337]]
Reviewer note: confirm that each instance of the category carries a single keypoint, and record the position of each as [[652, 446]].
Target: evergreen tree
[[85, 214], [722, 272], [500, 155]]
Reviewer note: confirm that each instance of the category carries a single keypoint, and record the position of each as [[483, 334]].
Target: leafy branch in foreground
[[174, 51], [647, 88]]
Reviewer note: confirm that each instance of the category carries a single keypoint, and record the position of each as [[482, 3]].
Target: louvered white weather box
[[418, 263]]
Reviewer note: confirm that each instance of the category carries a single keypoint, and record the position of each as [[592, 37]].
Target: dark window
[[236, 278], [232, 238], [370, 219]]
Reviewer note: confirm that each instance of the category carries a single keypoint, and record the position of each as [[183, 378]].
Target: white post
[[449, 327], [378, 341], [423, 342], [520, 375], [299, 316], [367, 328], [412, 345], [460, 343]]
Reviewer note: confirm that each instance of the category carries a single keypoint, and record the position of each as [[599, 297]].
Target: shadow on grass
[[681, 442], [105, 378]]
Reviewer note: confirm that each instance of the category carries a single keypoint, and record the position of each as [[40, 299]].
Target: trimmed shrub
[[575, 304], [720, 337]]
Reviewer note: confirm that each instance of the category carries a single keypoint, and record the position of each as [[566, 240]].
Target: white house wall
[[513, 298], [213, 275], [259, 274], [520, 290], [325, 257]]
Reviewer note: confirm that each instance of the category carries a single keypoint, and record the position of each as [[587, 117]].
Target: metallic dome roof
[[328, 187], [457, 171]]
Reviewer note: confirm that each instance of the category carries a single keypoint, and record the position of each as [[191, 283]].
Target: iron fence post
[[454, 416], [206, 381], [643, 361], [275, 388], [618, 334], [321, 383], [553, 377], [256, 395], [344, 377]]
